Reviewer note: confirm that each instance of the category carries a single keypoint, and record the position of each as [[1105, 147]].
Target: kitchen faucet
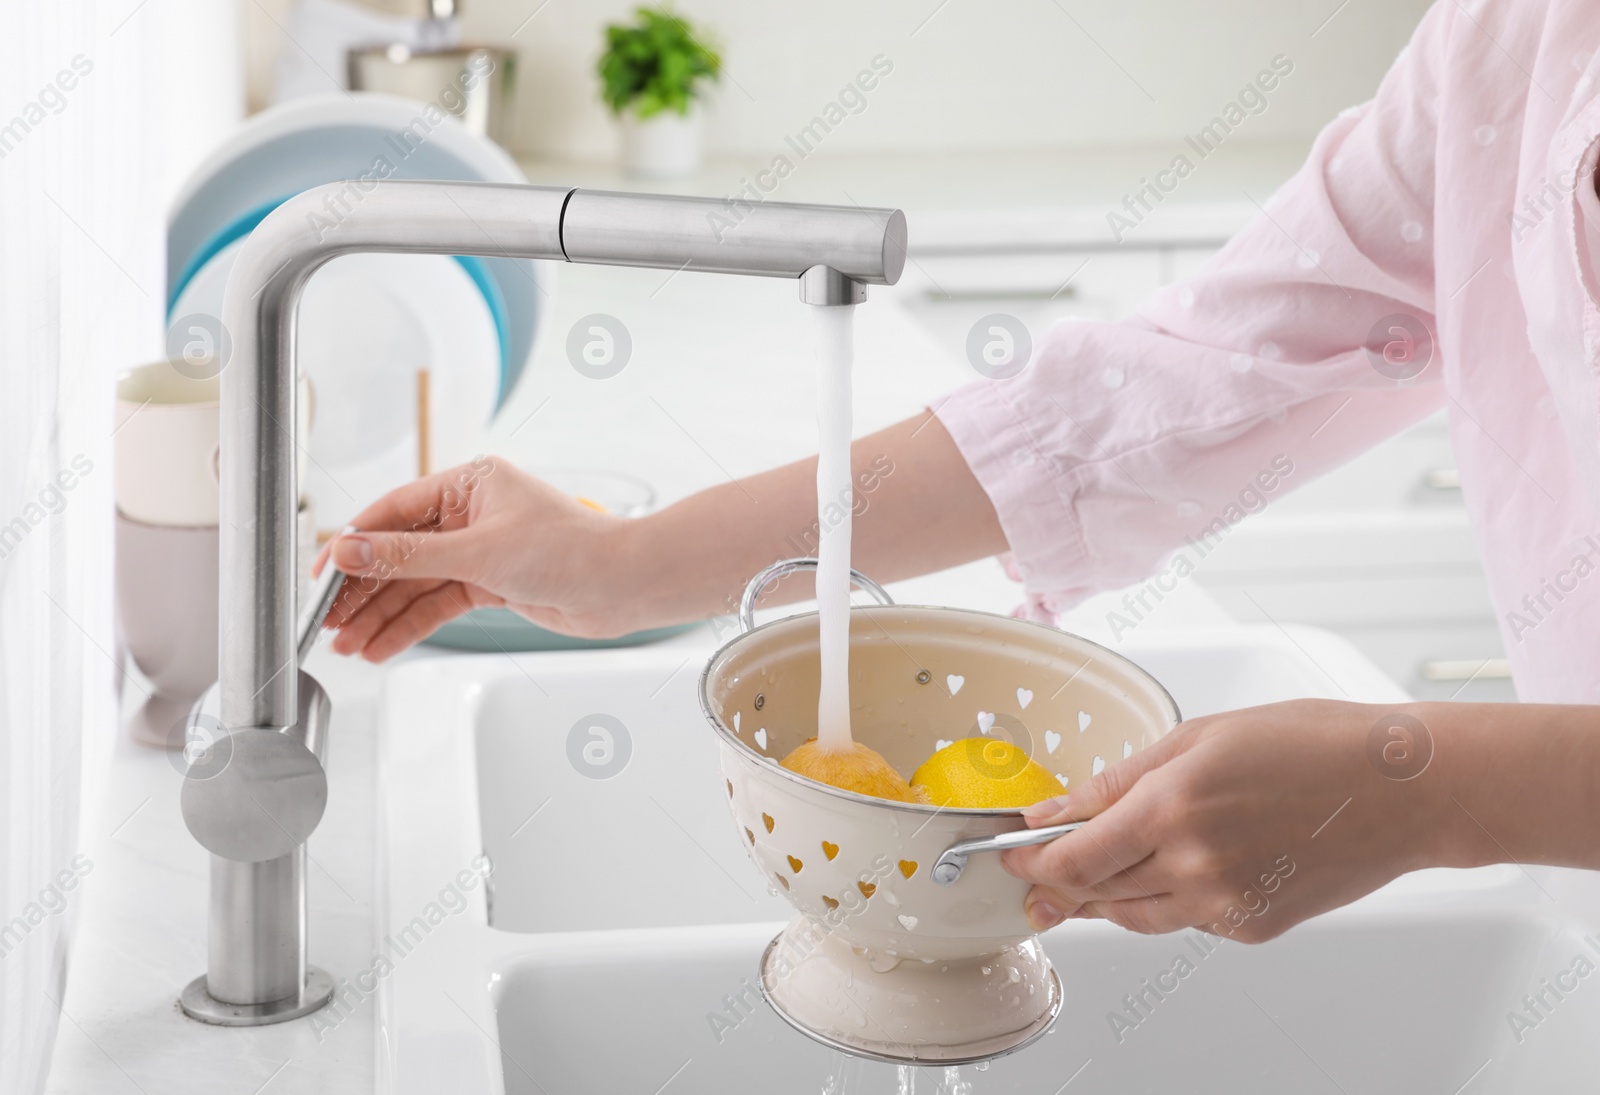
[[258, 791]]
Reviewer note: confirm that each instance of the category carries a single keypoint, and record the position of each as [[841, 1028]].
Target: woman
[[1457, 209]]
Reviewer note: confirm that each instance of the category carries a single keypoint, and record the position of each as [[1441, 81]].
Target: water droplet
[[982, 1066], [1012, 974], [883, 963]]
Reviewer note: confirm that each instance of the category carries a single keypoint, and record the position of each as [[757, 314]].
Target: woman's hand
[[1243, 824], [478, 535], [486, 534]]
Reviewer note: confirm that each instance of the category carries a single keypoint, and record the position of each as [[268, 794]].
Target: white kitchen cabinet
[[950, 293]]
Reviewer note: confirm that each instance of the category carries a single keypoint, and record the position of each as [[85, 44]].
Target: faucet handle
[[319, 602], [257, 792]]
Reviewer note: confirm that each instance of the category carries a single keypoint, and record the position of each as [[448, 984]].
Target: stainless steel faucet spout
[[258, 971]]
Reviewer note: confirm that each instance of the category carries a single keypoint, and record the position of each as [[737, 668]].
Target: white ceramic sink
[[615, 949]]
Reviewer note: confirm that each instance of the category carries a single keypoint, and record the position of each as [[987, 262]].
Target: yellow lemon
[[983, 774], [860, 769]]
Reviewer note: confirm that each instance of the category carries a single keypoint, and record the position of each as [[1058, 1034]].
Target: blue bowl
[[490, 630]]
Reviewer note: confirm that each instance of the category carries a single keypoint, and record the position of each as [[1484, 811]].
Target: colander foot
[[948, 1012]]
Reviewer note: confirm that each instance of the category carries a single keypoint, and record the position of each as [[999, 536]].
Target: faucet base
[[199, 1004]]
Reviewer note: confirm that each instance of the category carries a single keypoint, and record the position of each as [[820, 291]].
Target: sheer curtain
[[88, 92]]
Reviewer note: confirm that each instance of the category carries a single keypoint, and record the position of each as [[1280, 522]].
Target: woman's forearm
[[1514, 783], [917, 509]]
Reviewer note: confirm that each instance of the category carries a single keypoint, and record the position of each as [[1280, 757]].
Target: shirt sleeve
[[1305, 340]]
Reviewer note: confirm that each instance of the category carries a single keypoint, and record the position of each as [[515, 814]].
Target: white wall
[[1010, 74]]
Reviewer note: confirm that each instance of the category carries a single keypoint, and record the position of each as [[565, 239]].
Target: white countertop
[[720, 385]]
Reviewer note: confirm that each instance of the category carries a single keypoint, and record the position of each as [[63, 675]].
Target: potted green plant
[[652, 75]]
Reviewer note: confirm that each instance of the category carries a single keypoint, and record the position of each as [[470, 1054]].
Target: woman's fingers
[[421, 618], [1151, 915], [1046, 907], [358, 623], [1109, 844], [1146, 878], [1108, 788], [1108, 860], [423, 554]]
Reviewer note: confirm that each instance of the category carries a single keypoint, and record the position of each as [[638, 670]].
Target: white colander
[[903, 949]]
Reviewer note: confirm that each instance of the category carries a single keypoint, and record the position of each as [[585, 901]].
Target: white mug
[[166, 444]]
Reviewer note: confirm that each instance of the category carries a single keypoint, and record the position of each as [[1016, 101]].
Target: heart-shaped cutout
[[867, 888], [1052, 741], [909, 923], [908, 867], [736, 722], [795, 864], [830, 902], [954, 682], [1098, 766], [985, 721], [1024, 697], [830, 850], [729, 782], [761, 737], [766, 819], [750, 836], [942, 743], [1083, 721], [1127, 750], [784, 882], [1061, 779]]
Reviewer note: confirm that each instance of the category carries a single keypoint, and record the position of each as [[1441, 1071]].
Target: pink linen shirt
[[1461, 198]]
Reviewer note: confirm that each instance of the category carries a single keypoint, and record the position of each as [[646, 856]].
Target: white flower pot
[[664, 146]]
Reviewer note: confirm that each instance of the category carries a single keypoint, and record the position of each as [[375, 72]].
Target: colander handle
[[948, 867], [782, 569]]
